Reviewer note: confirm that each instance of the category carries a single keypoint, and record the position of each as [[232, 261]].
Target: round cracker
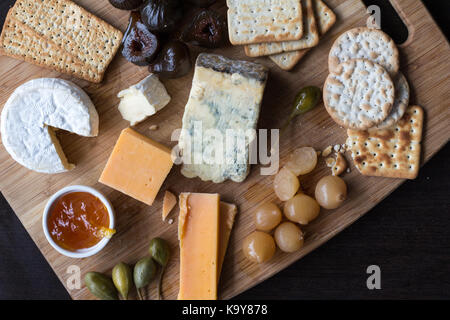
[[359, 94], [401, 102], [365, 43]]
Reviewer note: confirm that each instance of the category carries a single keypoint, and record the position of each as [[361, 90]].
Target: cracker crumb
[[170, 221], [340, 165], [154, 127], [327, 151]]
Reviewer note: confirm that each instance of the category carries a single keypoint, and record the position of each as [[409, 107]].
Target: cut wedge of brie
[[143, 99], [33, 112]]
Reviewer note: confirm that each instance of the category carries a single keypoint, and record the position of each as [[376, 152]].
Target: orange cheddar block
[[228, 213], [169, 203], [137, 166], [198, 232]]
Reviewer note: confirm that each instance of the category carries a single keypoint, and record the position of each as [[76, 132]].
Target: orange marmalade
[[76, 219]]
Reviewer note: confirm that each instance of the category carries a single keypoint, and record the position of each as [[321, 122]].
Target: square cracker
[[87, 38], [255, 21], [310, 37], [325, 19], [393, 152], [288, 60], [21, 42]]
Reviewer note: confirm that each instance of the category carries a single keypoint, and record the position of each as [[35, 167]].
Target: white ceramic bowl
[[82, 253]]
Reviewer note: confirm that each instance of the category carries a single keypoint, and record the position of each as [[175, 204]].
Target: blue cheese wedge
[[143, 99], [32, 114], [220, 118]]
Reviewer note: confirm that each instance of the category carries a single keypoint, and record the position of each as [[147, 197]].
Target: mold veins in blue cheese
[[226, 94]]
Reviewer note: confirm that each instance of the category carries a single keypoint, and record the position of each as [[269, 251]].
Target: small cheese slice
[[198, 232], [33, 112], [143, 99], [137, 166], [228, 213], [169, 203]]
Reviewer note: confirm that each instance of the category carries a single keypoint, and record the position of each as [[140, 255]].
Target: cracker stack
[[366, 93], [283, 30], [60, 35], [325, 19]]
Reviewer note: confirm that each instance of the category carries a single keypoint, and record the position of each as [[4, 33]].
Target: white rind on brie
[[143, 99], [31, 114]]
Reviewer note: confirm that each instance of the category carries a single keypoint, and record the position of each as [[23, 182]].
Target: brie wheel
[[33, 112]]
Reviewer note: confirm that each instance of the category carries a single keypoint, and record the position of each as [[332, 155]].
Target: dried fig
[[140, 46], [173, 61], [208, 29], [161, 15], [126, 4], [135, 16], [202, 3]]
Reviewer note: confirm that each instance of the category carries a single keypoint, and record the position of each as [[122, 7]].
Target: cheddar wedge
[[228, 213], [137, 166], [198, 232]]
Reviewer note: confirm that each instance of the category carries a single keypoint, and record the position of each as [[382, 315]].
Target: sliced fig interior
[[140, 45]]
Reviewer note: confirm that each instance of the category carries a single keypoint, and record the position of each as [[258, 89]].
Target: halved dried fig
[[140, 45], [135, 17], [208, 29]]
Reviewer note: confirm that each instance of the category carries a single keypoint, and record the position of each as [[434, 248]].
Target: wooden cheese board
[[424, 60]]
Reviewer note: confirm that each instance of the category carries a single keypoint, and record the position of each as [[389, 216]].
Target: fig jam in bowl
[[78, 221]]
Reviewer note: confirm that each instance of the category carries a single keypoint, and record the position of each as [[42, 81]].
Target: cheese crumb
[[337, 147], [154, 127], [170, 221]]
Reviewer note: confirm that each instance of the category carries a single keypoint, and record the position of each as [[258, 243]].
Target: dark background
[[407, 235]]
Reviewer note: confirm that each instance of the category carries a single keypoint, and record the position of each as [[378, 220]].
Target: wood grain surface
[[27, 192]]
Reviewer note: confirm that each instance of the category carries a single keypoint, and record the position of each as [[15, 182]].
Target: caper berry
[[306, 99], [160, 251], [122, 278], [100, 286], [144, 272]]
